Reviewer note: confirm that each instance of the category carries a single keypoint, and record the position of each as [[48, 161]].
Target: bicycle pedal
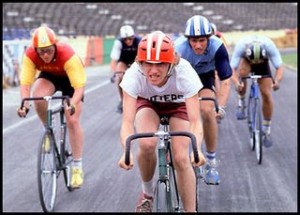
[[209, 183]]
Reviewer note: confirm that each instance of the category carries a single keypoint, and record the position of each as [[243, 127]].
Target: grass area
[[290, 59]]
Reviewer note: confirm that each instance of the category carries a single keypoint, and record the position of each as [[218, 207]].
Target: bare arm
[[224, 92], [278, 78], [193, 111], [127, 126], [113, 65], [24, 92]]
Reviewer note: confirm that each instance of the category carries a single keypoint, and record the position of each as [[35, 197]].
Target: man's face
[[46, 53], [198, 44], [128, 40], [156, 73]]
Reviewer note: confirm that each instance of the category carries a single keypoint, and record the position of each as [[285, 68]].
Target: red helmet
[[156, 47], [43, 37]]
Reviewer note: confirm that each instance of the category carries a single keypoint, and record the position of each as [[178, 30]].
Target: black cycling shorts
[[61, 83], [208, 80], [261, 68]]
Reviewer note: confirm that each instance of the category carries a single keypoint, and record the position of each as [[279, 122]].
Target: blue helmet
[[198, 26]]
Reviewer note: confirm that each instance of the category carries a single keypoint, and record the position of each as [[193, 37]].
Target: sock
[[241, 101], [210, 155], [148, 188], [267, 126], [77, 163]]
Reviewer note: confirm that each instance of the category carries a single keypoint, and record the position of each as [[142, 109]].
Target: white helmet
[[126, 31]]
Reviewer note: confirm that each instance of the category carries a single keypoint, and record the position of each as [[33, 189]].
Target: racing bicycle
[[54, 152], [254, 116], [166, 197]]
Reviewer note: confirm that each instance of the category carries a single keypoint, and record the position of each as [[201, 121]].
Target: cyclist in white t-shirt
[[161, 83]]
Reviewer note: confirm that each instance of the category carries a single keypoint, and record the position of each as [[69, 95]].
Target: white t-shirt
[[183, 83]]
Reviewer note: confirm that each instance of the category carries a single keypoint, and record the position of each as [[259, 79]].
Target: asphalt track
[[245, 185]]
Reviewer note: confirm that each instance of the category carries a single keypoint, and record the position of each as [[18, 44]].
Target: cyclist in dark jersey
[[122, 56]]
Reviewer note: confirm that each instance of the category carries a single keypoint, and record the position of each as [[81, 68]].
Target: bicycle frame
[[166, 200]]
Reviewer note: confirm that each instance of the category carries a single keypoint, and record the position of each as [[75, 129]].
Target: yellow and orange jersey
[[65, 63]]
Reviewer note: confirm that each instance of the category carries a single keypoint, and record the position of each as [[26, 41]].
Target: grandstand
[[103, 19], [89, 25]]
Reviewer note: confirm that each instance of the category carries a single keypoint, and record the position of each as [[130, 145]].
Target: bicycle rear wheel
[[46, 171], [250, 120], [258, 131]]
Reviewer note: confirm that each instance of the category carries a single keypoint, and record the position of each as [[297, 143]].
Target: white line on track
[[31, 118]]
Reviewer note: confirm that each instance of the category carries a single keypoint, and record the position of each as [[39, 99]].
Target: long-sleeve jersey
[[65, 63], [271, 50], [183, 83], [215, 57]]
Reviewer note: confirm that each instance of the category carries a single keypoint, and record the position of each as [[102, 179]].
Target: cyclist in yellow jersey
[[60, 70]]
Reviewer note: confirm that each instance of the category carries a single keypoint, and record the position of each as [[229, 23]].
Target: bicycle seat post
[[49, 111]]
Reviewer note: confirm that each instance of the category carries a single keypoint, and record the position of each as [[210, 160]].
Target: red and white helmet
[[156, 47], [43, 37]]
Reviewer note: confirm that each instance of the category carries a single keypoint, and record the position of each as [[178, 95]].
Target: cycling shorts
[[61, 83], [208, 80], [261, 68], [164, 109]]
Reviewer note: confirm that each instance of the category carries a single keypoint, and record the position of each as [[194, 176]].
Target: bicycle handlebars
[[160, 134], [211, 99], [48, 98], [253, 76]]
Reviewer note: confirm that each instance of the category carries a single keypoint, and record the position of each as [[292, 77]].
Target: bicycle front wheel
[[160, 197], [199, 177], [257, 133], [46, 172], [250, 120], [173, 198]]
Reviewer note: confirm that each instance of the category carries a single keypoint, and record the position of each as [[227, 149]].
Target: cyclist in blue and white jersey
[[207, 53], [252, 53]]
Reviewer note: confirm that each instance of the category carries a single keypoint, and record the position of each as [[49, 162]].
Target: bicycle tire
[[173, 201], [258, 131], [160, 198], [250, 119], [198, 181], [67, 159], [47, 173]]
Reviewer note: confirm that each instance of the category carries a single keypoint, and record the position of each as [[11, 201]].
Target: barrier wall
[[96, 50]]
